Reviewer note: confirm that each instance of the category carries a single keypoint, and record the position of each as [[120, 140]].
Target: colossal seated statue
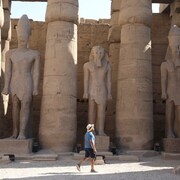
[[21, 78], [97, 87]]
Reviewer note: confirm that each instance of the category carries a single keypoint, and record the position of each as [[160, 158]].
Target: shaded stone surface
[[171, 145], [13, 146], [134, 121], [170, 156], [102, 143]]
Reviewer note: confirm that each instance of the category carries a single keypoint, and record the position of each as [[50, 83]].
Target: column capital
[[62, 10], [135, 11]]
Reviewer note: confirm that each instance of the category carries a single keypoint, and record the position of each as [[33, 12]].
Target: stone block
[[6, 4], [114, 18], [45, 157], [104, 21], [114, 35], [99, 160], [5, 160], [163, 7], [170, 156], [142, 153], [128, 158], [171, 145], [9, 146], [102, 143], [115, 6]]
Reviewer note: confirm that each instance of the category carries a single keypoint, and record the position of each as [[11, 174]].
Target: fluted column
[[58, 109], [5, 43], [1, 24], [134, 114]]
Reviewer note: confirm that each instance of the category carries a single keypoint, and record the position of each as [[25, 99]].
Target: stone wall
[[90, 33]]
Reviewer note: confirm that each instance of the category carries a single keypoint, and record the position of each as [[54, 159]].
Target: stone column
[[175, 13], [1, 24], [5, 43], [134, 113], [114, 48], [58, 109]]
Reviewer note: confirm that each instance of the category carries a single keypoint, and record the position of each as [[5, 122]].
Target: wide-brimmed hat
[[90, 127]]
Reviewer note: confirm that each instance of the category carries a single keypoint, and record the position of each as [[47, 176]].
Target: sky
[[88, 9]]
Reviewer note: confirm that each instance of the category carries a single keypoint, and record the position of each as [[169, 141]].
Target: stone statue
[[170, 83], [97, 86], [21, 78]]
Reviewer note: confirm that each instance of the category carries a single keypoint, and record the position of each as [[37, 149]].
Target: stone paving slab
[[64, 169]]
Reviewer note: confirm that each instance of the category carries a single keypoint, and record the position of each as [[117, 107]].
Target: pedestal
[[171, 145], [102, 143], [13, 146]]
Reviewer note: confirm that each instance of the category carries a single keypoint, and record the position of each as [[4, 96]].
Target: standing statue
[[21, 78], [97, 86], [170, 83]]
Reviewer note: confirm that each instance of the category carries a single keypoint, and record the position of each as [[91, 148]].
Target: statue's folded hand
[[85, 96], [109, 97], [35, 93], [5, 91], [164, 96]]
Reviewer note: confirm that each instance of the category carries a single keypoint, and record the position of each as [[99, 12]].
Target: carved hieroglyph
[[58, 110], [134, 121], [97, 86], [170, 83], [21, 78]]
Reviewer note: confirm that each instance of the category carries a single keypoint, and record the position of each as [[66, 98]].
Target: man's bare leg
[[82, 160], [92, 164], [170, 116], [15, 116], [78, 166]]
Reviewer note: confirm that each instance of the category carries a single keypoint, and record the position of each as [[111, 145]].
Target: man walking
[[90, 148]]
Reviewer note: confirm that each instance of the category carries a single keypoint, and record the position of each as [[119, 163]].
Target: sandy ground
[[154, 168]]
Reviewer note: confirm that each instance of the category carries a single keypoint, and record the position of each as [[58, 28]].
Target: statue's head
[[174, 40], [23, 30], [97, 54]]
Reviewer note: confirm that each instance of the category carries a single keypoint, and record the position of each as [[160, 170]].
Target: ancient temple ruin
[[136, 41]]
